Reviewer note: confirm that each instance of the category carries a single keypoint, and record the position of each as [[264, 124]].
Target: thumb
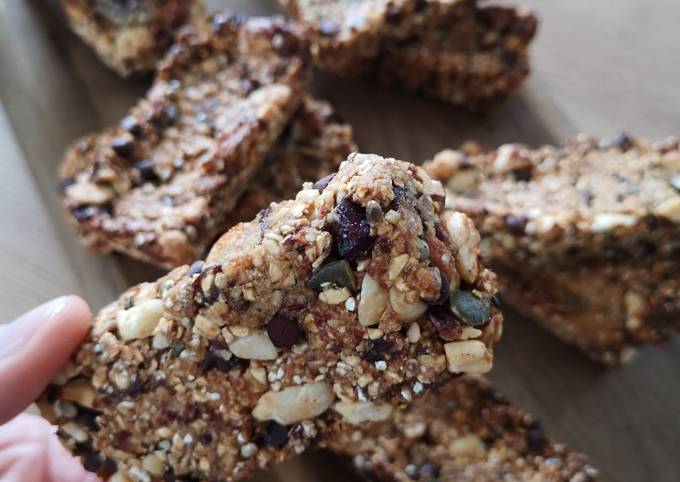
[[34, 346]]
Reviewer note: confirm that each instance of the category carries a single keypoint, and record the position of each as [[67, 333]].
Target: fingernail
[[18, 333]]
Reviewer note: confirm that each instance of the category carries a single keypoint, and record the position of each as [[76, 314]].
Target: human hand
[[32, 348]]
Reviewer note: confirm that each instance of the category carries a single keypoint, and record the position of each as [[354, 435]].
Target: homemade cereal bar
[[463, 431], [343, 304], [457, 51], [159, 186], [129, 36], [584, 238]]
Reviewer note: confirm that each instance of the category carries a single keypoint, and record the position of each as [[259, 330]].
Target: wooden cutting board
[[53, 89]]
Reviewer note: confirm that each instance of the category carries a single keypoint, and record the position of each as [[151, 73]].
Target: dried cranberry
[[122, 146], [146, 169], [276, 435], [284, 332], [352, 231], [323, 182], [446, 324], [516, 224], [328, 28]]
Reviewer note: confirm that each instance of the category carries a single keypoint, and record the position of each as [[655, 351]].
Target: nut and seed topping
[[336, 273]]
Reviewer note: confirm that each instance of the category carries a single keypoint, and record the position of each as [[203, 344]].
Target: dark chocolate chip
[[284, 332], [131, 125], [169, 114], [146, 169], [207, 437], [328, 28], [276, 435], [250, 85], [214, 359], [88, 417], [323, 182], [620, 141], [66, 182], [535, 438], [123, 147], [352, 232], [429, 470], [587, 197], [83, 213], [92, 462], [446, 324], [524, 174], [196, 267], [377, 350], [516, 224]]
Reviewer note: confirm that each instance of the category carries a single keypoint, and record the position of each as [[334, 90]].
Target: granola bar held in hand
[[129, 36], [464, 431], [159, 186], [584, 238], [342, 304], [456, 51]]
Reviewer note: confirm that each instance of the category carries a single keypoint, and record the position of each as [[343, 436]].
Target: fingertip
[[76, 312]]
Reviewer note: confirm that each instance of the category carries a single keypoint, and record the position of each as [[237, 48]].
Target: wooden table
[[597, 68]]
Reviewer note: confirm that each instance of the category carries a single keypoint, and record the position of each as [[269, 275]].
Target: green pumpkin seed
[[469, 309], [337, 273]]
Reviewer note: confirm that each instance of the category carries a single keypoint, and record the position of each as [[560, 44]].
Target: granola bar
[[464, 431], [313, 145], [585, 237], [130, 36], [158, 186], [345, 303], [456, 51]]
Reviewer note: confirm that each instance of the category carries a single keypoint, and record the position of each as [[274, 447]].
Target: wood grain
[[597, 69]]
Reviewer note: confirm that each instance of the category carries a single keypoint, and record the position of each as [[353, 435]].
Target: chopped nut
[[358, 412], [296, 403], [466, 239], [406, 310], [374, 301], [75, 431], [669, 209], [469, 356], [467, 446], [413, 332], [255, 346], [79, 391], [89, 193], [153, 464], [335, 296], [139, 321], [608, 221]]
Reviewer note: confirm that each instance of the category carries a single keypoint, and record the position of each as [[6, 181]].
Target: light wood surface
[[599, 67]]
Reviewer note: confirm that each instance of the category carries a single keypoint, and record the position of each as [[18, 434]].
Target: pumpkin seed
[[337, 273], [469, 309]]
